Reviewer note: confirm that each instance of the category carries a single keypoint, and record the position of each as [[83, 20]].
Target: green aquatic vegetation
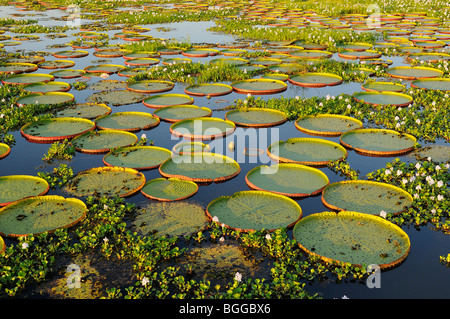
[[80, 85], [58, 177], [36, 28], [59, 150], [344, 169], [14, 22]]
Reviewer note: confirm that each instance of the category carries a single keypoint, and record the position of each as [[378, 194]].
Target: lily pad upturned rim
[[414, 83], [372, 152], [174, 180], [363, 216], [49, 139], [366, 86], [129, 129], [7, 152], [227, 89], [279, 122], [192, 136], [45, 198], [359, 96], [361, 182], [287, 165], [170, 86], [410, 77], [30, 177], [282, 88], [338, 79], [65, 87], [211, 215], [69, 98], [102, 150], [189, 100], [131, 148], [7, 80], [325, 133], [171, 120]]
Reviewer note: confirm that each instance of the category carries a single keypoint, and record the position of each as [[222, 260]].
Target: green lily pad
[[137, 157], [208, 89], [23, 79], [151, 86], [45, 87], [355, 46], [56, 129], [383, 86], [201, 167], [105, 181], [4, 150], [116, 97], [175, 113], [183, 148], [141, 62], [199, 53], [316, 79], [292, 180], [108, 85], [49, 98], [437, 153], [254, 210], [104, 68], [167, 99], [306, 151], [441, 84], [327, 124], [56, 64], [352, 237], [205, 128], [103, 141], [353, 55], [68, 73], [175, 218], [127, 121], [85, 110], [256, 117], [311, 54], [259, 86], [368, 197], [170, 189], [72, 54], [39, 214], [17, 68], [413, 73], [378, 142], [384, 98], [17, 187]]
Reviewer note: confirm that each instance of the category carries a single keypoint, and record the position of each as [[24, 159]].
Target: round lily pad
[[85, 110], [17, 187], [166, 99], [199, 53], [103, 141], [306, 151], [105, 181], [327, 124], [56, 64], [141, 62], [175, 113], [39, 214], [384, 98], [441, 84], [259, 86], [116, 97], [4, 150], [256, 117], [352, 237], [311, 54], [139, 55], [17, 68], [208, 89], [127, 121], [137, 157], [378, 142], [108, 85], [289, 179], [45, 87], [104, 68], [170, 189], [383, 86], [56, 129], [254, 211], [316, 79], [23, 79], [413, 73], [368, 197], [50, 98], [437, 153], [174, 218], [205, 128], [70, 54], [190, 147], [366, 54], [203, 167], [151, 86], [355, 46], [68, 73]]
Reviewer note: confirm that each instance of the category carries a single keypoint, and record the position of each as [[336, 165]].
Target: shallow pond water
[[420, 276]]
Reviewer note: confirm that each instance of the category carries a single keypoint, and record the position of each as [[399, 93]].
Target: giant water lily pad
[[353, 54], [378, 142], [311, 54], [190, 147], [103, 141], [254, 210], [307, 151], [85, 110], [39, 214], [175, 218], [137, 157], [68, 73], [23, 79], [4, 150], [259, 86], [49, 98], [413, 73], [105, 181], [127, 121], [56, 64], [441, 84], [151, 86], [73, 54], [384, 98], [289, 179], [366, 196], [327, 124], [204, 128], [437, 153], [108, 85], [56, 129], [203, 167], [208, 89], [17, 68], [104, 68], [170, 189], [116, 97], [175, 113], [45, 87], [256, 117], [352, 237], [167, 99], [316, 79], [17, 187], [383, 86]]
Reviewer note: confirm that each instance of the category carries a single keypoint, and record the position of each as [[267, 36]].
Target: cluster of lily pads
[[277, 52]]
